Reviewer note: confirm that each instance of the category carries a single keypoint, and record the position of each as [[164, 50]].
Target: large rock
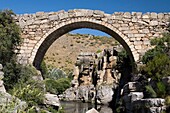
[[152, 105], [104, 94], [14, 104], [1, 67], [52, 100], [2, 88], [86, 93], [132, 87], [1, 75], [93, 110], [70, 94]]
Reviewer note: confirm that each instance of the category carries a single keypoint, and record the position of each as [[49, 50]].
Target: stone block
[[98, 12], [154, 15], [1, 75], [139, 14], [154, 23], [63, 15], [150, 102], [51, 99], [93, 110], [135, 96], [1, 83], [1, 67], [160, 15], [127, 15], [145, 16], [131, 87], [53, 17]]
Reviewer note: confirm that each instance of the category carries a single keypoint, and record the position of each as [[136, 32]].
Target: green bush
[[167, 100], [158, 67], [162, 46], [10, 39], [161, 90], [32, 93], [57, 86], [43, 68], [56, 73]]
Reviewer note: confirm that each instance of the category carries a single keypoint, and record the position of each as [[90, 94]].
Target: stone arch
[[50, 36]]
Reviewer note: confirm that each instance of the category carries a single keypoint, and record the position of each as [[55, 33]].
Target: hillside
[[64, 51]]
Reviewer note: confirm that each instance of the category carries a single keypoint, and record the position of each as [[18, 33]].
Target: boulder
[[93, 110], [135, 96], [15, 104], [70, 94], [1, 67], [105, 94], [131, 87], [151, 105], [1, 75], [52, 100], [85, 94]]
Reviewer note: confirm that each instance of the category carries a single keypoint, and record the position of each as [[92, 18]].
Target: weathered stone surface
[[51, 99], [93, 110], [135, 96], [1, 67], [131, 87], [49, 22], [70, 94], [1, 75], [104, 94], [53, 17], [6, 98]]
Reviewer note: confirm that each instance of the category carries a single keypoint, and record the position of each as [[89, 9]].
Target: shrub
[[57, 86], [43, 67], [161, 90], [167, 100], [56, 73], [10, 39], [158, 67], [32, 93]]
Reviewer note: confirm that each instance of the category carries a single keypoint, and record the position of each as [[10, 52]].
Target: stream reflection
[[80, 107]]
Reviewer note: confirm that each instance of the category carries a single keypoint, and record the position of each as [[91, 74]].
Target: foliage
[[162, 46], [28, 89], [161, 89], [43, 69], [9, 106], [57, 86], [56, 73], [157, 62], [31, 93], [98, 51], [149, 92], [158, 67], [9, 40], [9, 36], [167, 100]]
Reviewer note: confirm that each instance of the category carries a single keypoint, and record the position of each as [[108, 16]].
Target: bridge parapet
[[133, 30]]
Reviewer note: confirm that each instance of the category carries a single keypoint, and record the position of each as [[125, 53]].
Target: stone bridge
[[132, 30]]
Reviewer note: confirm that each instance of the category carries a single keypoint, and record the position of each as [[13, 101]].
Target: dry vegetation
[[64, 51]]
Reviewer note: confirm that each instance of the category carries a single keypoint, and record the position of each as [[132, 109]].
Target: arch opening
[[78, 25]]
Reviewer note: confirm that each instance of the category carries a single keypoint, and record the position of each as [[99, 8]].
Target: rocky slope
[[64, 51]]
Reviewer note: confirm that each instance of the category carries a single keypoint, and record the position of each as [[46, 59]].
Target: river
[[80, 107]]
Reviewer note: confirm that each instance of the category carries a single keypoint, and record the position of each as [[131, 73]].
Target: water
[[80, 107]]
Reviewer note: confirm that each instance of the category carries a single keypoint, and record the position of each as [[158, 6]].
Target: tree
[[9, 41]]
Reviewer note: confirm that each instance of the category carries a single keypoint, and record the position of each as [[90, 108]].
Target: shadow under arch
[[78, 25]]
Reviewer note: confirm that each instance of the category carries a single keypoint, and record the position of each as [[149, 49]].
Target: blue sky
[[108, 6]]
